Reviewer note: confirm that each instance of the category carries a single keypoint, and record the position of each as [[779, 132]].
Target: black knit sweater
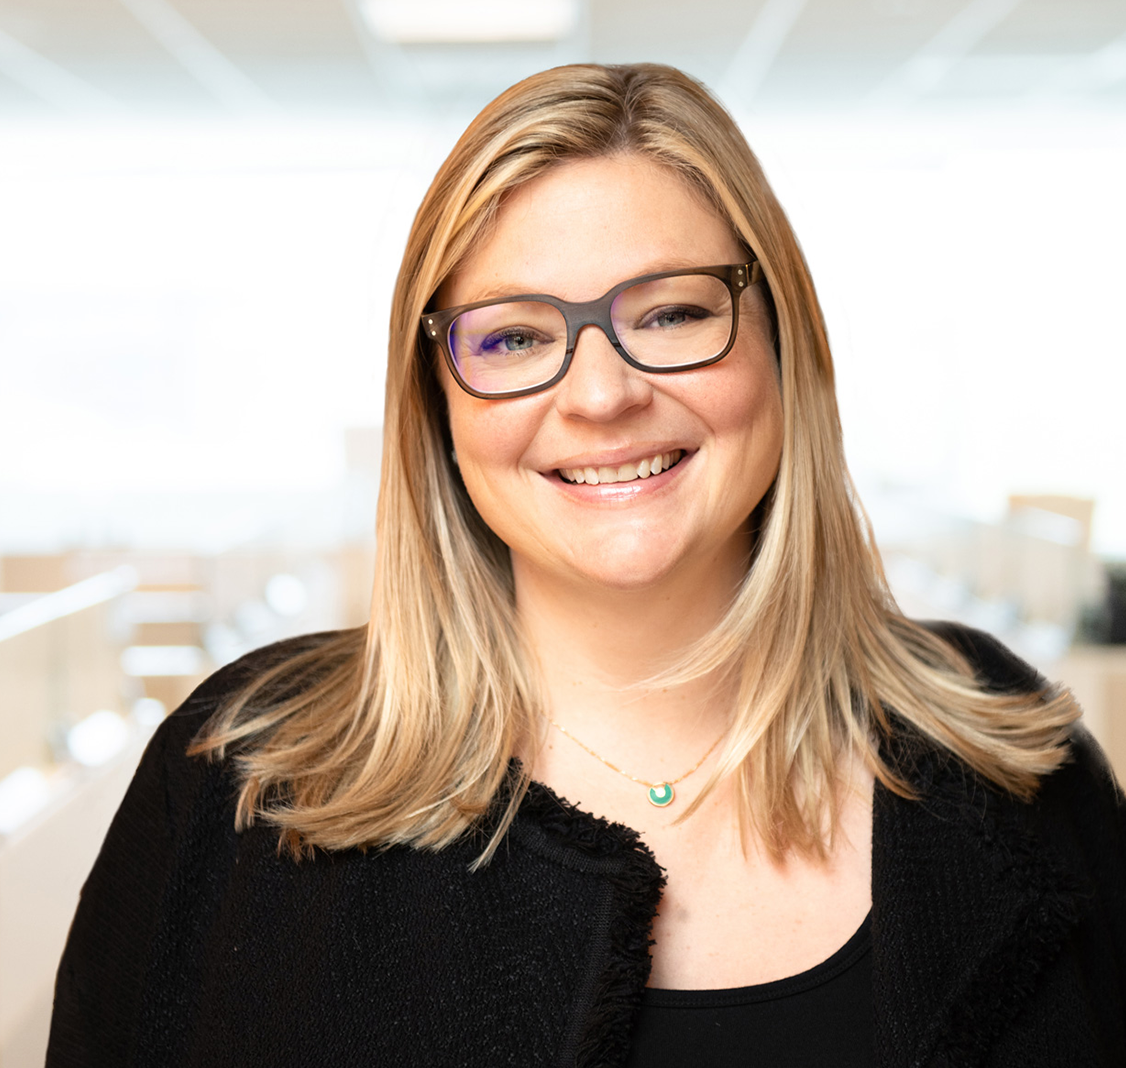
[[998, 928]]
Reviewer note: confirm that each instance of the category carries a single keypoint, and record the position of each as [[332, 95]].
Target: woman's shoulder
[[265, 667], [999, 670], [997, 667], [167, 766], [1084, 781], [234, 677]]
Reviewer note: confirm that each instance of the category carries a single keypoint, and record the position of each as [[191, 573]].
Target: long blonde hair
[[403, 733]]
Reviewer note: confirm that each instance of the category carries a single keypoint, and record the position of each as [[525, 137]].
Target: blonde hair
[[403, 733]]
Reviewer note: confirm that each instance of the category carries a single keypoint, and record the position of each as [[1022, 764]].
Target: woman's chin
[[623, 568]]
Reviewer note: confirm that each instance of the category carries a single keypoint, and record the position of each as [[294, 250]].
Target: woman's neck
[[596, 648]]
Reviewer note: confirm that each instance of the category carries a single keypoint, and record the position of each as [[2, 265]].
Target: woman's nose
[[599, 385]]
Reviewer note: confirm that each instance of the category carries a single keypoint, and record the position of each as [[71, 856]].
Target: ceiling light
[[460, 22]]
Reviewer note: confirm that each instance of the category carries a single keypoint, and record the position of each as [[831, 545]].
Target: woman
[[619, 562]]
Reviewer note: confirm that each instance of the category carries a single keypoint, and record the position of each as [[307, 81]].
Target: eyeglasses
[[660, 323]]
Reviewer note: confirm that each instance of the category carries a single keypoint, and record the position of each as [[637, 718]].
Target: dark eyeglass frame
[[738, 277]]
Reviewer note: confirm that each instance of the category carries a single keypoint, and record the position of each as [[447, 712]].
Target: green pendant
[[661, 795]]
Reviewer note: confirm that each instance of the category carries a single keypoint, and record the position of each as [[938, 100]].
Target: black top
[[818, 1017], [998, 927]]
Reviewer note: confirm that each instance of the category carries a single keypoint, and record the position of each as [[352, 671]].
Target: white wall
[[972, 273]]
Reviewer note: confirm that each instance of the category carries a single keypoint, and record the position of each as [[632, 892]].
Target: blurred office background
[[202, 208]]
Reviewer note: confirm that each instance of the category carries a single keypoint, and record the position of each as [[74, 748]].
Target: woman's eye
[[667, 318], [509, 341]]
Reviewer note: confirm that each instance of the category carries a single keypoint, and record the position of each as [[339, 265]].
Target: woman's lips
[[600, 476]]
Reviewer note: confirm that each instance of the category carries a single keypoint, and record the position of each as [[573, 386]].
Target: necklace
[[660, 794]]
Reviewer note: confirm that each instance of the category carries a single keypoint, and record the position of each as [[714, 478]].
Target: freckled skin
[[575, 232]]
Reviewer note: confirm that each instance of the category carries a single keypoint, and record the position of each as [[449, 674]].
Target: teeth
[[600, 476]]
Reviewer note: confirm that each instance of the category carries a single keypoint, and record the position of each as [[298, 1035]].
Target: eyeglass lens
[[666, 322]]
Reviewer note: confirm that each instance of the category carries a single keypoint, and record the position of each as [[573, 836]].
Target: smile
[[600, 476]]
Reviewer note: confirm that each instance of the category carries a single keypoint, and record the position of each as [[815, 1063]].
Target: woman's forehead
[[585, 225]]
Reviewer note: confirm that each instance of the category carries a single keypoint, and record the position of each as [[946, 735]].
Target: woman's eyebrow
[[508, 290], [498, 292]]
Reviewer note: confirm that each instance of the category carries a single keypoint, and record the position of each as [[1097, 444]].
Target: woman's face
[[575, 232]]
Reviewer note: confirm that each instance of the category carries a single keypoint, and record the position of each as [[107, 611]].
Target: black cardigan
[[998, 928]]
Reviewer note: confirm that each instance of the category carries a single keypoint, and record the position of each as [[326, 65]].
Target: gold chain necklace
[[660, 794]]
